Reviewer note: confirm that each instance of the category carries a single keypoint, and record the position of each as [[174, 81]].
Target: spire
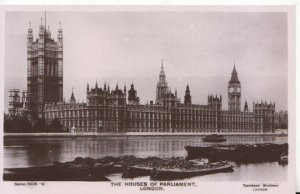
[[234, 70], [187, 96], [234, 76], [59, 30], [29, 28], [29, 35], [162, 76], [246, 107], [49, 31], [72, 99], [41, 28], [96, 85], [187, 89], [162, 71], [87, 88], [45, 20]]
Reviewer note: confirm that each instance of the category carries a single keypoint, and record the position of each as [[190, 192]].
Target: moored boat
[[243, 153], [176, 173], [283, 159], [214, 138], [56, 173], [137, 171]]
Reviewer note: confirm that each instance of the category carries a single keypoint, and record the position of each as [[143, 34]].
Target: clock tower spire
[[234, 92]]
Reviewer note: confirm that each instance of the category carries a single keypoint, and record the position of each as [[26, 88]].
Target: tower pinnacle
[[234, 91], [234, 76], [162, 86]]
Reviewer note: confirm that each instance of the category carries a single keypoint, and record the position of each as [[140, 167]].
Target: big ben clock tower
[[234, 92]]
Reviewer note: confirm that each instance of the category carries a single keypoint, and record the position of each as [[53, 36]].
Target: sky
[[124, 47]]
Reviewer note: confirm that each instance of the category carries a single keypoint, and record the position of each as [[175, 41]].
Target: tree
[[7, 124], [16, 124], [40, 125], [25, 124], [55, 126]]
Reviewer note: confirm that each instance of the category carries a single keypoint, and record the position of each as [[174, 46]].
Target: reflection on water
[[40, 151]]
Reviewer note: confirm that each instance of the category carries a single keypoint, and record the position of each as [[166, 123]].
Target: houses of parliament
[[118, 110]]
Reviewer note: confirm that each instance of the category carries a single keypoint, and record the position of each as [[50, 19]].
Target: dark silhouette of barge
[[244, 153], [214, 138]]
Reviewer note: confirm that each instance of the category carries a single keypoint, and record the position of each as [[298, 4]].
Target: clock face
[[238, 89], [231, 89]]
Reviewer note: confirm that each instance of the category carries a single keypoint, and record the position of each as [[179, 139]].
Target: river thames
[[41, 151]]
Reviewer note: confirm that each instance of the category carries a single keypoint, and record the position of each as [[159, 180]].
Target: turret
[[72, 99], [29, 35], [246, 107], [215, 101], [49, 33], [60, 35], [60, 58], [187, 96], [132, 96], [41, 29], [87, 88]]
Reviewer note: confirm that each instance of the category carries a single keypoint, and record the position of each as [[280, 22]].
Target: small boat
[[137, 171], [282, 134], [164, 174], [214, 138], [283, 159]]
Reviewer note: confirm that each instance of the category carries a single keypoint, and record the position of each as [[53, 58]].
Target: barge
[[214, 138], [176, 174], [243, 153]]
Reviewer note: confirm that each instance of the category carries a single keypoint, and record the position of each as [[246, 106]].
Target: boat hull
[[214, 141], [239, 153], [56, 173], [136, 171], [166, 174]]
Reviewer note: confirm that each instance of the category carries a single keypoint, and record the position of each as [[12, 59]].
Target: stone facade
[[44, 69], [107, 111]]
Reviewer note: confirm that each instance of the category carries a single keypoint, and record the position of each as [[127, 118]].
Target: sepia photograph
[[148, 97]]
